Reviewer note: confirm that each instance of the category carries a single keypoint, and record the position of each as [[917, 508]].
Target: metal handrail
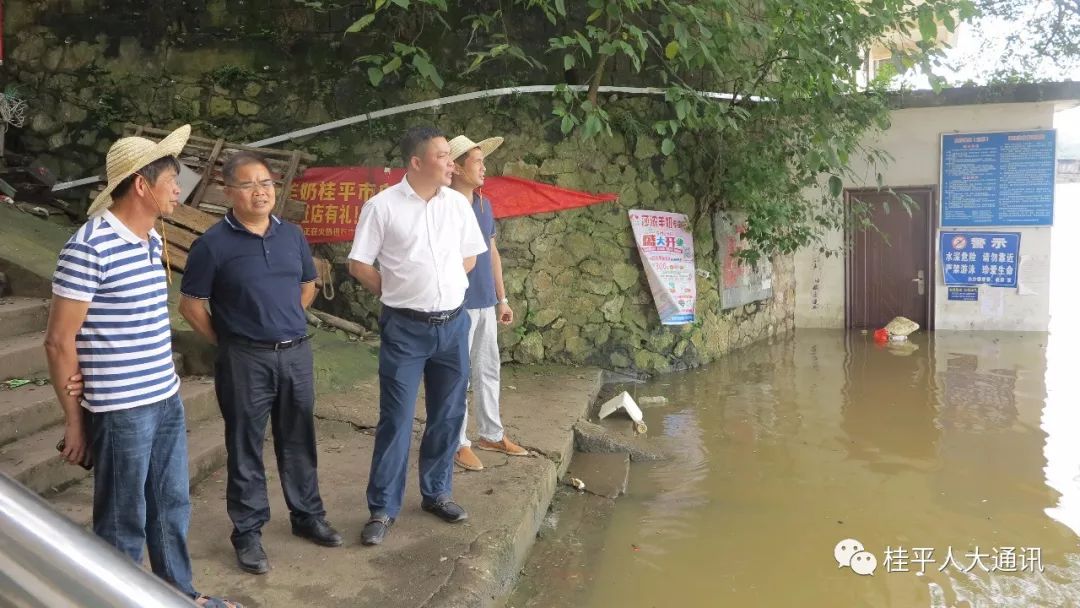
[[48, 561]]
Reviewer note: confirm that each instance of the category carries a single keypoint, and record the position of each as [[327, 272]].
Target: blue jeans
[[141, 486], [411, 350]]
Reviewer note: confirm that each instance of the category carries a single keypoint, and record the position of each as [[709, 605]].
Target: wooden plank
[[192, 219], [215, 195], [180, 237], [271, 154], [337, 322], [209, 143], [215, 210], [208, 174], [177, 258], [205, 155], [283, 196], [154, 131]]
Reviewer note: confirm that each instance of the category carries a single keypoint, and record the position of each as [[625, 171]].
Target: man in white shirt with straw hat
[[487, 307], [109, 319]]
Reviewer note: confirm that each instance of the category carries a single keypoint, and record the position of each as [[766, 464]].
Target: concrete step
[[34, 461], [206, 454], [22, 316], [26, 410], [605, 475], [23, 356]]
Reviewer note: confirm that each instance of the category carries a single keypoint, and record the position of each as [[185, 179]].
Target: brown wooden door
[[890, 271]]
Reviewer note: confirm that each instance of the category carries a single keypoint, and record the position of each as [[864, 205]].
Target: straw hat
[[130, 154], [461, 144]]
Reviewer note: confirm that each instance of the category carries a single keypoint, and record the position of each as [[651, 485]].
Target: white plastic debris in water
[[624, 401], [657, 400]]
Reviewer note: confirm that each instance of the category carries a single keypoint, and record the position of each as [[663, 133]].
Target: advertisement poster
[[667, 252]]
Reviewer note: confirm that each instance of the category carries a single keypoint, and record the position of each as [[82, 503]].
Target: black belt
[[270, 345], [432, 318]]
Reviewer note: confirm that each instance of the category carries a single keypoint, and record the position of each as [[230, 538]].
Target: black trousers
[[253, 385]]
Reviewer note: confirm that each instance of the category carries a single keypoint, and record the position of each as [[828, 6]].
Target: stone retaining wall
[[574, 278]]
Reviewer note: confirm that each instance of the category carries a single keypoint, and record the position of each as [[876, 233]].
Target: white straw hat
[[461, 144], [130, 154]]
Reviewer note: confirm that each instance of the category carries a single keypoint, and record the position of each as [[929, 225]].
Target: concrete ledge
[[28, 250], [1027, 92], [424, 562], [489, 569], [595, 438]]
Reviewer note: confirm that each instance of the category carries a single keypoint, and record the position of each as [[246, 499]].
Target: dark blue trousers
[[256, 385], [439, 354]]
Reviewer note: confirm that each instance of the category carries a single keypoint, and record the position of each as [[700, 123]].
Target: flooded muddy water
[[953, 461]]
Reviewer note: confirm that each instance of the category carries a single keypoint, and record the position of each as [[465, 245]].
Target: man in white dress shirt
[[425, 238]]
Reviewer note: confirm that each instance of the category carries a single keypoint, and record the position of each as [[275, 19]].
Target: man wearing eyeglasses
[[257, 274]]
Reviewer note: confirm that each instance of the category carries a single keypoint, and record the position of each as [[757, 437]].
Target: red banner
[[334, 196], [513, 196]]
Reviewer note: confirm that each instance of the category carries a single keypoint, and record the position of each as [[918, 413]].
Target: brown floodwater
[[958, 442]]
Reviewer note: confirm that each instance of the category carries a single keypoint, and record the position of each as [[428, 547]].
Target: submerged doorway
[[889, 272]]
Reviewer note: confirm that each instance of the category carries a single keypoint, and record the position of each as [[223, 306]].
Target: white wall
[[913, 140]]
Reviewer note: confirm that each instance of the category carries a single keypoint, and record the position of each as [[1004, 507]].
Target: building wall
[[913, 141]]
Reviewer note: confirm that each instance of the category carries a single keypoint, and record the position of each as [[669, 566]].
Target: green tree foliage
[[1042, 36], [795, 112]]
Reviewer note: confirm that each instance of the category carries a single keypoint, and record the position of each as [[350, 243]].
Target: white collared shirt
[[420, 246]]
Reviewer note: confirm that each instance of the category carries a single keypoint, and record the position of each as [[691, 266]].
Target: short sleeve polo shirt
[[481, 292], [251, 281], [124, 346]]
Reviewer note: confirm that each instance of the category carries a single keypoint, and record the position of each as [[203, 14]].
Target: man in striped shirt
[[109, 318]]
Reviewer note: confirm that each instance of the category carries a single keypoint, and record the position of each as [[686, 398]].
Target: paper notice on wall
[[1034, 275], [740, 283], [667, 252], [992, 304]]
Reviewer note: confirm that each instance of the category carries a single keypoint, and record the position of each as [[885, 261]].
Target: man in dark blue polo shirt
[[257, 274]]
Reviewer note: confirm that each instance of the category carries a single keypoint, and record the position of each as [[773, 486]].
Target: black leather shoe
[[446, 510], [375, 530], [318, 531], [252, 558]]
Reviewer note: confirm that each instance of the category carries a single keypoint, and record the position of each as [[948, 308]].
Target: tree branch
[[1061, 9], [601, 62], [598, 74]]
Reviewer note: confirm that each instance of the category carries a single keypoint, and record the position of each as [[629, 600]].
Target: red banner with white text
[[334, 196]]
